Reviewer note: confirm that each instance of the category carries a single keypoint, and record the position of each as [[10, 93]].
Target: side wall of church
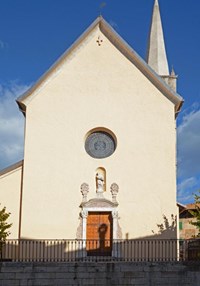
[[96, 87], [10, 186]]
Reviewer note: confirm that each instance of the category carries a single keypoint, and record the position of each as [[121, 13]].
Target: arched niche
[[102, 172]]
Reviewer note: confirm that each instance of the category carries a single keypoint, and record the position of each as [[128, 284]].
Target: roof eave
[[22, 106], [11, 168]]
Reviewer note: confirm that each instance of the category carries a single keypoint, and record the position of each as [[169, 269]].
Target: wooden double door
[[99, 233]]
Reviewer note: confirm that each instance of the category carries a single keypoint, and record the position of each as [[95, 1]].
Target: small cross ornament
[[99, 41]]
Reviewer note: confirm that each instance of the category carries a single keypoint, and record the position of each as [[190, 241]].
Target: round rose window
[[100, 144]]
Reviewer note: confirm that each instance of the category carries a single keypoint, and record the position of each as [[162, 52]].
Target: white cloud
[[186, 189], [11, 124], [187, 183], [188, 135]]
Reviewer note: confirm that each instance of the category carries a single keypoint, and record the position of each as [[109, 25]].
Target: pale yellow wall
[[10, 184], [98, 87]]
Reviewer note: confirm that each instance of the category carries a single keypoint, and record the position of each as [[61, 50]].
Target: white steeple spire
[[156, 53]]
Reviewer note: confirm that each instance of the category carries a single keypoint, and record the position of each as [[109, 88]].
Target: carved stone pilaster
[[114, 191], [119, 231], [84, 191], [79, 232], [115, 214], [84, 214]]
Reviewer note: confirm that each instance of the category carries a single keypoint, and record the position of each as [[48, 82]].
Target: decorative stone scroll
[[114, 189], [84, 191]]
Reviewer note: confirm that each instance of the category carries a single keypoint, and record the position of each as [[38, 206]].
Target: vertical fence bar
[[136, 250]]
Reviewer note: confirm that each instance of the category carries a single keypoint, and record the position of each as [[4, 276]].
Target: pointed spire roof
[[156, 53]]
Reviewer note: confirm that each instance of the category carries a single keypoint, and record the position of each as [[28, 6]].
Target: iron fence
[[68, 250]]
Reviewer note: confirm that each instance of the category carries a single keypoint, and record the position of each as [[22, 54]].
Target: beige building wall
[[97, 86], [10, 186]]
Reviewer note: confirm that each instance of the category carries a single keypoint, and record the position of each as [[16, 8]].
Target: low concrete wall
[[120, 273]]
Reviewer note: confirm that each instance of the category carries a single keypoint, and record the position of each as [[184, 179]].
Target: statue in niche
[[100, 185]]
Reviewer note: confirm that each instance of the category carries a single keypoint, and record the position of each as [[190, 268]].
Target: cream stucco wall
[[10, 186], [97, 87]]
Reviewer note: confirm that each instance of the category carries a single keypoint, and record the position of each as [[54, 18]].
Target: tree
[[4, 228], [196, 213]]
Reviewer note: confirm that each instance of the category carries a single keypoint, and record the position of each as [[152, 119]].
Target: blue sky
[[34, 33]]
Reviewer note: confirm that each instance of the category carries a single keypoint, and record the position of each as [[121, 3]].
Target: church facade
[[100, 143]]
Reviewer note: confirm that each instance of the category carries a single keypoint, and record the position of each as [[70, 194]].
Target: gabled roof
[[188, 208], [192, 206], [124, 48]]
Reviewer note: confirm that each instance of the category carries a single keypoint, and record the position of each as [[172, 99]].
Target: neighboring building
[[186, 229], [100, 120]]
